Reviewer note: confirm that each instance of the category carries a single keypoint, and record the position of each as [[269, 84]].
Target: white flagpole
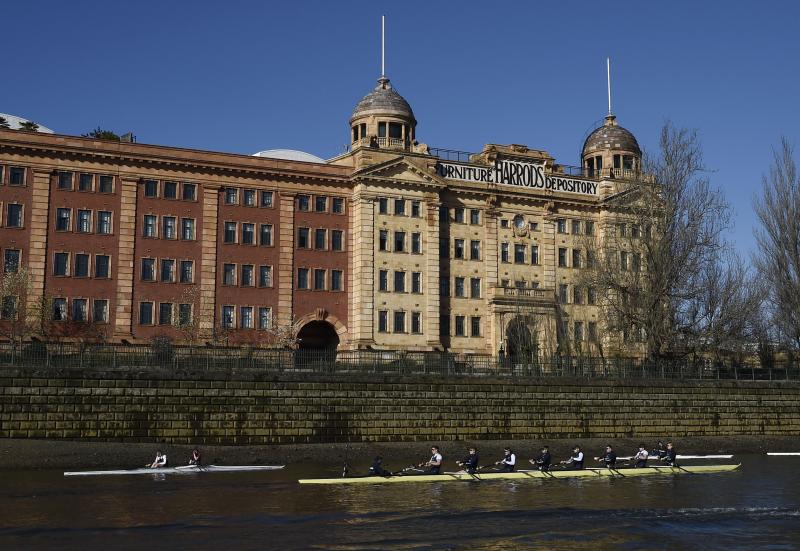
[[383, 46], [608, 71]]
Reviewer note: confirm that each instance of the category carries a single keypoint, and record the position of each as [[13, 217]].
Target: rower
[[434, 464], [160, 461], [508, 462], [609, 459], [640, 459], [195, 459], [670, 455], [376, 469], [470, 462], [575, 461], [660, 450], [543, 461]]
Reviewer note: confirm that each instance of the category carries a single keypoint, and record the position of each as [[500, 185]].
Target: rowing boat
[[184, 469], [783, 453], [628, 458], [524, 475]]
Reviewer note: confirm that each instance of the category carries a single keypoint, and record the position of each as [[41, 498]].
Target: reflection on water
[[756, 507]]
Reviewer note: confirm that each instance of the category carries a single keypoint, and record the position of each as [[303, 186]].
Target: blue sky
[[244, 76]]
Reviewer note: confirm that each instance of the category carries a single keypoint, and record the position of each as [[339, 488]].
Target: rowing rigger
[[184, 469], [523, 475]]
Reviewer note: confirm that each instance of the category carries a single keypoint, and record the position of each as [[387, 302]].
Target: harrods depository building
[[391, 245]]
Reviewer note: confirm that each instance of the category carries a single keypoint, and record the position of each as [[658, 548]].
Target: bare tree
[[283, 334], [778, 238], [18, 319], [187, 320], [663, 235]]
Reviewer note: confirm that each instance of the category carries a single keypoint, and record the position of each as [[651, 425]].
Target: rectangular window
[[8, 308], [504, 252], [319, 280], [189, 192], [590, 261], [149, 225], [247, 275], [577, 295], [187, 229], [588, 227], [459, 287], [170, 190], [187, 271], [592, 327], [59, 309], [103, 222], [63, 219], [320, 203], [228, 320], [475, 326], [416, 282], [106, 184], [246, 317], [475, 287], [148, 269], [320, 239], [249, 197], [576, 227], [562, 293], [267, 199], [337, 205], [85, 182], [383, 205], [415, 209], [399, 322], [578, 331], [248, 234], [591, 295], [623, 260], [14, 216], [621, 229], [458, 248], [230, 232], [635, 234], [561, 225], [504, 223], [265, 235], [636, 262], [416, 243], [383, 280], [302, 278], [231, 196], [16, 176], [576, 258], [102, 266], [383, 240], [416, 323], [474, 216], [533, 226], [167, 270], [474, 250], [151, 188], [303, 202], [264, 318], [169, 229], [11, 261], [399, 241], [65, 180], [519, 253], [303, 238], [535, 254], [100, 310], [79, 309], [61, 264], [458, 215], [145, 313], [229, 274], [265, 276], [336, 280], [184, 314], [562, 257], [337, 240], [383, 323], [399, 281], [165, 313], [400, 207], [460, 326]]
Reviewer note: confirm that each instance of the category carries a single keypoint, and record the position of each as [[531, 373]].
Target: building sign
[[515, 173]]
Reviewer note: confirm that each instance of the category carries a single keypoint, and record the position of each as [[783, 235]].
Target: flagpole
[[608, 74], [383, 46]]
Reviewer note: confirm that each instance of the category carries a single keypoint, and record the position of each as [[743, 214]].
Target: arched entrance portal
[[521, 339], [318, 335]]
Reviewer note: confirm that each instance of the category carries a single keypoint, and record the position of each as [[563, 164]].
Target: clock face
[[519, 222]]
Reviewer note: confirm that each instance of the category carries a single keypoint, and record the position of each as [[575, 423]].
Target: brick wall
[[251, 408]]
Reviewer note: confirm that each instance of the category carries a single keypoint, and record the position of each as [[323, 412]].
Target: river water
[[756, 507]]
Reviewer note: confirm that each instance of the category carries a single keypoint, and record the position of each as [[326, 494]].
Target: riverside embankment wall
[[257, 408]]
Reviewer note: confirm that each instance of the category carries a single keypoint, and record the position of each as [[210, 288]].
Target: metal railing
[[450, 154], [38, 355]]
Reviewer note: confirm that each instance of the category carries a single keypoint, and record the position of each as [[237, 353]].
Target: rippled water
[[757, 507]]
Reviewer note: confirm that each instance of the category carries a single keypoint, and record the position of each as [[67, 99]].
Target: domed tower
[[611, 151], [383, 119]]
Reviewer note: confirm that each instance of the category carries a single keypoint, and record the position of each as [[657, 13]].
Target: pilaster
[[285, 315], [208, 262], [362, 294], [432, 267], [36, 218], [126, 228]]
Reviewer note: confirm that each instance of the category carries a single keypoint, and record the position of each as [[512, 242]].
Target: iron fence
[[39, 355]]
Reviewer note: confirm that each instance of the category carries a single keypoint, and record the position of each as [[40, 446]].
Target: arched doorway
[[521, 339], [318, 335]]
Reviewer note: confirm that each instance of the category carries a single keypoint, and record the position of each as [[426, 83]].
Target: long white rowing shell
[[185, 469], [652, 457], [783, 453]]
